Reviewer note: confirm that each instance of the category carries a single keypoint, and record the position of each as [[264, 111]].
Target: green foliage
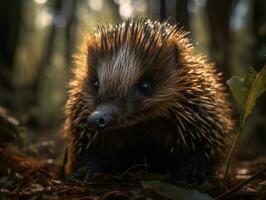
[[246, 90], [170, 191]]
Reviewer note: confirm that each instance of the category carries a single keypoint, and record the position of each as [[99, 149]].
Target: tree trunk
[[10, 18], [218, 13]]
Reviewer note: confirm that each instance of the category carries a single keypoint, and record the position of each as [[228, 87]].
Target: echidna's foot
[[194, 169], [82, 174], [86, 166], [191, 175]]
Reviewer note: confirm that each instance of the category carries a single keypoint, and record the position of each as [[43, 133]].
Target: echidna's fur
[[182, 128]]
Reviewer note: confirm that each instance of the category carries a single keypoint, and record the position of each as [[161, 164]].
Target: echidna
[[142, 95]]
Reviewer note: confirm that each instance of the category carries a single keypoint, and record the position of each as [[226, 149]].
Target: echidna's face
[[130, 81]]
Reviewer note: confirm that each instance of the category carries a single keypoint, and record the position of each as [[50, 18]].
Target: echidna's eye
[[145, 88], [96, 85]]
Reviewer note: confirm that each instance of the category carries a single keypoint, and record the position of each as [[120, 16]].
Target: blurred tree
[[48, 50], [259, 32], [162, 10], [10, 21], [258, 61], [218, 16], [115, 8], [259, 49], [64, 22], [180, 11], [182, 16], [70, 30]]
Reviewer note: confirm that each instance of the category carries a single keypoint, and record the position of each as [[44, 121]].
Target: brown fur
[[186, 116]]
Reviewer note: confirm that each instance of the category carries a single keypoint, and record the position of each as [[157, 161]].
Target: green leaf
[[247, 89], [170, 191]]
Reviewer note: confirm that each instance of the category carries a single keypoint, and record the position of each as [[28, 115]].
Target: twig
[[104, 184], [232, 150], [241, 184], [134, 167]]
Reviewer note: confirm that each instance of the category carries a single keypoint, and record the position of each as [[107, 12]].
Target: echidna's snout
[[103, 116], [97, 120]]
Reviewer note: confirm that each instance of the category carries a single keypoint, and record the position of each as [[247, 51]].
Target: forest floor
[[30, 178], [33, 171]]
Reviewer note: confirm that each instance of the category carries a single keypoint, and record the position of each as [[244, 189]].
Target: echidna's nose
[[97, 119], [103, 116]]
